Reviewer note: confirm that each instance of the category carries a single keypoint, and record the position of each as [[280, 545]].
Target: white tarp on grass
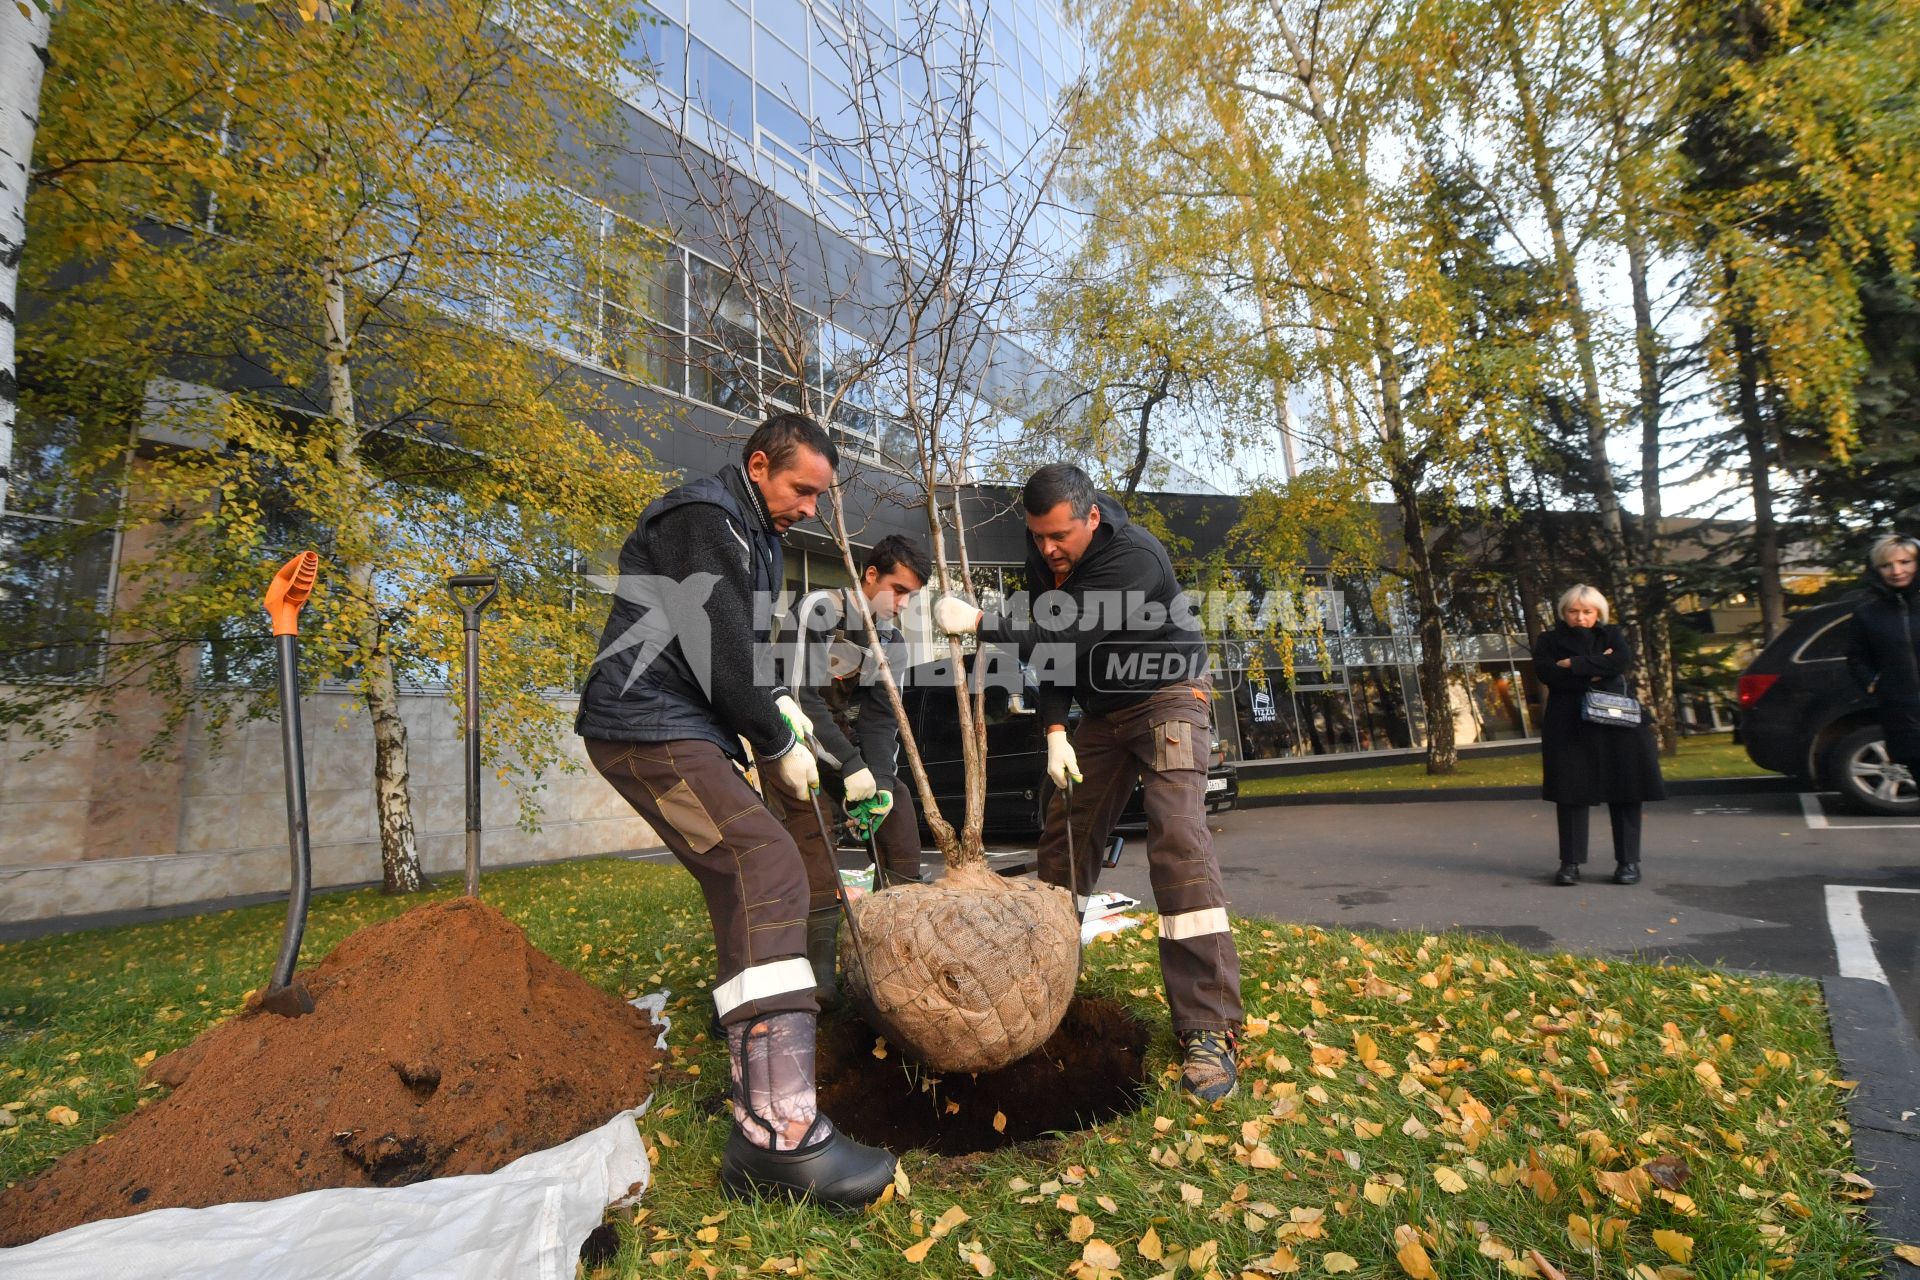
[[526, 1220]]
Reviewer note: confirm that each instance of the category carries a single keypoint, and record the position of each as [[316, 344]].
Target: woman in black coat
[[1883, 652], [1586, 764]]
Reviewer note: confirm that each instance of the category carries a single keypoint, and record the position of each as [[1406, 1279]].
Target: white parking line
[[1810, 810], [1852, 943], [1816, 819]]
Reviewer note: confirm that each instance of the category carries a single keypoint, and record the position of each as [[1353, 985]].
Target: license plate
[[1216, 784]]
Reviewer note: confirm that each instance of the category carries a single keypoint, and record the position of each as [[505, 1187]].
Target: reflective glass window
[[722, 89]]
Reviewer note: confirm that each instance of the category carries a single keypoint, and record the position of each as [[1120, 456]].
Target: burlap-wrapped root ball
[[969, 973]]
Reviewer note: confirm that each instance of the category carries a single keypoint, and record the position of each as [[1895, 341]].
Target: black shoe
[[834, 1170], [1209, 1068], [1569, 873], [1627, 873]]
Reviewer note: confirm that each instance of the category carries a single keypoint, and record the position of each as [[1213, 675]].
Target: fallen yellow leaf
[[1098, 1253], [1281, 1263], [952, 1218], [1449, 1180], [1673, 1244], [917, 1253], [999, 1122], [1081, 1228], [1415, 1262], [1149, 1246], [63, 1115], [1908, 1253], [1335, 1264]]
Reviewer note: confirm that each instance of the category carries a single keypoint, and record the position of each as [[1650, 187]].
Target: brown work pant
[[1162, 741], [701, 807], [896, 844]]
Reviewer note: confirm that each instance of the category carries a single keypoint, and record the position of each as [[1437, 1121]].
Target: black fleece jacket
[[1130, 630]]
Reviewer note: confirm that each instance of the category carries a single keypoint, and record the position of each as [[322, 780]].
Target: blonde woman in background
[[1585, 764], [1883, 652]]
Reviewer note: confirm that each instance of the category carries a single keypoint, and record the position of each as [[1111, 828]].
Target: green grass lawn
[[1713, 755], [1408, 1102]]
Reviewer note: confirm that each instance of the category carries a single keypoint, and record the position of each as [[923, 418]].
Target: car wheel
[[1859, 767]]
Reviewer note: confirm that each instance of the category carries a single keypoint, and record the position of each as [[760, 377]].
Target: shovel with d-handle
[[473, 592], [285, 597]]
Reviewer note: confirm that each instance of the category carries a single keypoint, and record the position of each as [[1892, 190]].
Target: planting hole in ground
[[1091, 1068]]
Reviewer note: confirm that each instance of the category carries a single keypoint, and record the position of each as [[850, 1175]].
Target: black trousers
[[1573, 831]]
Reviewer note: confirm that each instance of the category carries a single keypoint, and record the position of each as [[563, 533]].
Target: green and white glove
[[1061, 761], [796, 772], [865, 816], [796, 718]]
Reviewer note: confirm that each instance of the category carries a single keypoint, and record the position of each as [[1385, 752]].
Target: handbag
[[1617, 710]]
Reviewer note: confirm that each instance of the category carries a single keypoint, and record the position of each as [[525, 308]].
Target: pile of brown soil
[[441, 1043]]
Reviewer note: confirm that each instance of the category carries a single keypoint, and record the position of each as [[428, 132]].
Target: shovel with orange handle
[[285, 597]]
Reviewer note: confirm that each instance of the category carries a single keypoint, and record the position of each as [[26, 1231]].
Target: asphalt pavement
[[1737, 880]]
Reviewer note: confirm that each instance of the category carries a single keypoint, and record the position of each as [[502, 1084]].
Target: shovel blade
[[290, 1001]]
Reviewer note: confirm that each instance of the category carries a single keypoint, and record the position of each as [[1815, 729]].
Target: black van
[[1801, 714], [1018, 790]]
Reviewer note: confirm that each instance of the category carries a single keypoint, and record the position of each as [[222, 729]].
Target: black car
[[1801, 714], [1018, 790]]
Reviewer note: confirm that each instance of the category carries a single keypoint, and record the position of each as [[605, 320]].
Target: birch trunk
[[399, 853], [1593, 407], [23, 61]]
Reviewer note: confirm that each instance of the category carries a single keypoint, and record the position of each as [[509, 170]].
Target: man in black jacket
[[831, 666], [1111, 627], [666, 703]]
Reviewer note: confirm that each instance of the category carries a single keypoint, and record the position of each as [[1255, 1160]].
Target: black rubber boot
[[1569, 873], [823, 953], [1627, 873], [833, 1170]]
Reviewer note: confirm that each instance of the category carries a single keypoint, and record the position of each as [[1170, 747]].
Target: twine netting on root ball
[[970, 973]]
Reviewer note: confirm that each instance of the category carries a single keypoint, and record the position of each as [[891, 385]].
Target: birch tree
[[24, 31], [373, 236], [1292, 126]]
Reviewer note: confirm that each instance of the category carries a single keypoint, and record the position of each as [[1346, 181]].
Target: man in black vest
[[670, 695], [1111, 627]]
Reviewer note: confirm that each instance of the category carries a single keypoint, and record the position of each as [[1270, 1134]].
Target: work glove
[[860, 786], [1062, 764], [796, 718], [955, 616], [796, 772], [865, 816]]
